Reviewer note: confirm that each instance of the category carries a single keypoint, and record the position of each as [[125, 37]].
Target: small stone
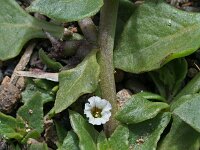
[[9, 96], [122, 97]]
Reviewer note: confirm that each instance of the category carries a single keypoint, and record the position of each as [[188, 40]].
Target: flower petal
[[92, 120], [92, 100], [108, 107], [102, 104], [98, 121], [88, 106]]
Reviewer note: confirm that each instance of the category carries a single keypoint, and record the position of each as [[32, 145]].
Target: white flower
[[97, 110]]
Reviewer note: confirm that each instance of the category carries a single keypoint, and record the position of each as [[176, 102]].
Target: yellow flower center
[[96, 112]]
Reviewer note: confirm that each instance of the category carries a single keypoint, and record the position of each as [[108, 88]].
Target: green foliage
[[31, 134], [32, 113], [11, 128], [188, 110], [38, 146], [151, 96], [86, 133], [50, 63], [17, 27], [119, 139], [138, 109], [191, 88], [61, 133], [155, 34], [76, 82], [180, 137], [66, 10], [44, 84], [102, 142], [169, 78], [38, 86], [70, 142], [148, 37], [123, 16], [145, 135], [89, 138]]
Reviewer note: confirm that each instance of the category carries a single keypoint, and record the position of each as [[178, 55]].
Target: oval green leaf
[[180, 137], [117, 141], [188, 111], [86, 133], [191, 88], [70, 142], [66, 10], [102, 141], [170, 77], [119, 138], [148, 132], [17, 27], [138, 109], [32, 88], [32, 113], [155, 34], [151, 96], [11, 128], [76, 82]]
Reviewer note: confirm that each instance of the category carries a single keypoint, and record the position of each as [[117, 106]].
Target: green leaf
[[188, 110], [76, 82], [191, 88], [17, 27], [50, 63], [151, 96], [138, 109], [32, 134], [145, 135], [38, 146], [17, 147], [11, 128], [70, 142], [44, 84], [102, 142], [61, 132], [169, 78], [32, 113], [66, 10], [180, 137], [32, 88], [125, 10], [86, 133], [119, 139], [155, 34]]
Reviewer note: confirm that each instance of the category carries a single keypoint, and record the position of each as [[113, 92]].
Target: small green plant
[[151, 37]]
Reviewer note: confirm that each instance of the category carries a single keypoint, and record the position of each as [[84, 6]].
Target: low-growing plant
[[79, 108]]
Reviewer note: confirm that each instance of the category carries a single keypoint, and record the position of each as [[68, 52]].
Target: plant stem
[[89, 30], [107, 27]]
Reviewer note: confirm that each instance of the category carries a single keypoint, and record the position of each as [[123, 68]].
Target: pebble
[[122, 97]]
